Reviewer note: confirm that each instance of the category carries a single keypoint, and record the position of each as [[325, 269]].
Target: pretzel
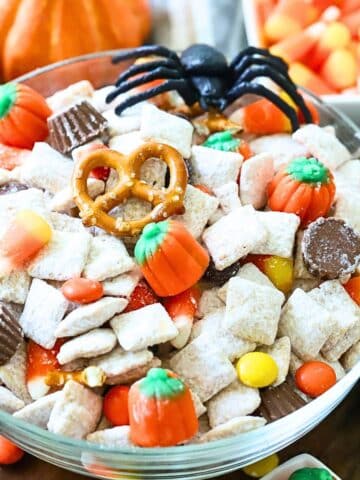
[[167, 201]]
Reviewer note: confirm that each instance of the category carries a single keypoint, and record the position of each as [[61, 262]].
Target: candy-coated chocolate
[[141, 296], [82, 290], [353, 289], [23, 116], [262, 467], [170, 257], [280, 271], [311, 474], [314, 378], [304, 187], [161, 409], [257, 369], [115, 405], [9, 452]]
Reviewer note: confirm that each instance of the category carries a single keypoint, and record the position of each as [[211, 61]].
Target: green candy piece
[[151, 238], [308, 170], [224, 141], [311, 474], [159, 384], [7, 98]]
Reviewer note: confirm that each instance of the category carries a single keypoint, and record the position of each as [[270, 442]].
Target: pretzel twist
[[166, 201]]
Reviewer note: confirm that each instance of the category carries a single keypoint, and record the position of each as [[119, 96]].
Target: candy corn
[[336, 35], [279, 270], [305, 77], [40, 362], [264, 118], [352, 21], [349, 6], [291, 16], [26, 235], [340, 69], [296, 46], [181, 309]]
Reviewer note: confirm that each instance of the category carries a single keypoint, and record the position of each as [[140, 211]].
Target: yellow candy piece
[[35, 225], [257, 369], [280, 271], [262, 467]]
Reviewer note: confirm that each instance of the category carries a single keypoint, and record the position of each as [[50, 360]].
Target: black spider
[[202, 74]]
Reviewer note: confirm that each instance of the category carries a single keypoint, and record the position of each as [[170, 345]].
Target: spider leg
[[144, 67], [283, 81], [181, 86], [257, 89], [247, 61], [145, 51], [158, 73], [263, 52]]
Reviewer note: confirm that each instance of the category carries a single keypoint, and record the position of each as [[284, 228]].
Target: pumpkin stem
[[308, 170], [7, 98], [222, 141], [152, 236], [160, 384], [311, 474]]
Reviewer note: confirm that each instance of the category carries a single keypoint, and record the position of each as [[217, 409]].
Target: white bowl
[[300, 461]]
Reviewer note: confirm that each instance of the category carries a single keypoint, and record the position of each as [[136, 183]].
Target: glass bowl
[[190, 461]]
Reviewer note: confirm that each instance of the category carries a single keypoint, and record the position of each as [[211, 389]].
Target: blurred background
[[320, 39]]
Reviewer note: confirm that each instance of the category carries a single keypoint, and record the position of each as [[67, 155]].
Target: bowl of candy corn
[[318, 39], [173, 281]]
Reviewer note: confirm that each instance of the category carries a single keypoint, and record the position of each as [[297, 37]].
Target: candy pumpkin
[[28, 39], [170, 258], [304, 187], [23, 116], [161, 410]]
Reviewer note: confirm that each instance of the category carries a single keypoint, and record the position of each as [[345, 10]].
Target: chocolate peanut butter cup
[[330, 248], [279, 401], [10, 334], [74, 127]]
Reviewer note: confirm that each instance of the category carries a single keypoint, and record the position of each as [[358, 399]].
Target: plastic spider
[[202, 74]]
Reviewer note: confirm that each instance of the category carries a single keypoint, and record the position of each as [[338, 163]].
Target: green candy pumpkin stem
[[151, 238], [308, 170], [222, 141], [158, 383], [7, 98]]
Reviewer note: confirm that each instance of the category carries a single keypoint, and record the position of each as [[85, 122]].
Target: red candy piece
[[116, 405], [11, 157], [82, 290], [40, 362], [100, 173], [353, 289], [141, 296], [9, 452], [314, 378]]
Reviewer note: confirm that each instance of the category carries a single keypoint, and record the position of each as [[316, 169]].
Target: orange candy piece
[[353, 289], [40, 362], [115, 406], [264, 118], [23, 239], [314, 378], [9, 452], [82, 290]]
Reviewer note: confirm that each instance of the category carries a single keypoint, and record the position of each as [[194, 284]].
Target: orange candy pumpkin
[[170, 258], [161, 410], [28, 39], [23, 116], [304, 187]]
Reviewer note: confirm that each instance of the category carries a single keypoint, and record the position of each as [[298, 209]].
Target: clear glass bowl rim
[[227, 448]]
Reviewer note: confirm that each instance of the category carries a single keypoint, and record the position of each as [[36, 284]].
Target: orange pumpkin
[[170, 258], [304, 187], [23, 116], [28, 39], [161, 410]]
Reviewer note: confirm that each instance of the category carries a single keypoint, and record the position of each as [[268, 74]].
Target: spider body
[[202, 74]]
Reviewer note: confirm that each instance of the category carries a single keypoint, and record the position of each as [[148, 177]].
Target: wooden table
[[336, 442]]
